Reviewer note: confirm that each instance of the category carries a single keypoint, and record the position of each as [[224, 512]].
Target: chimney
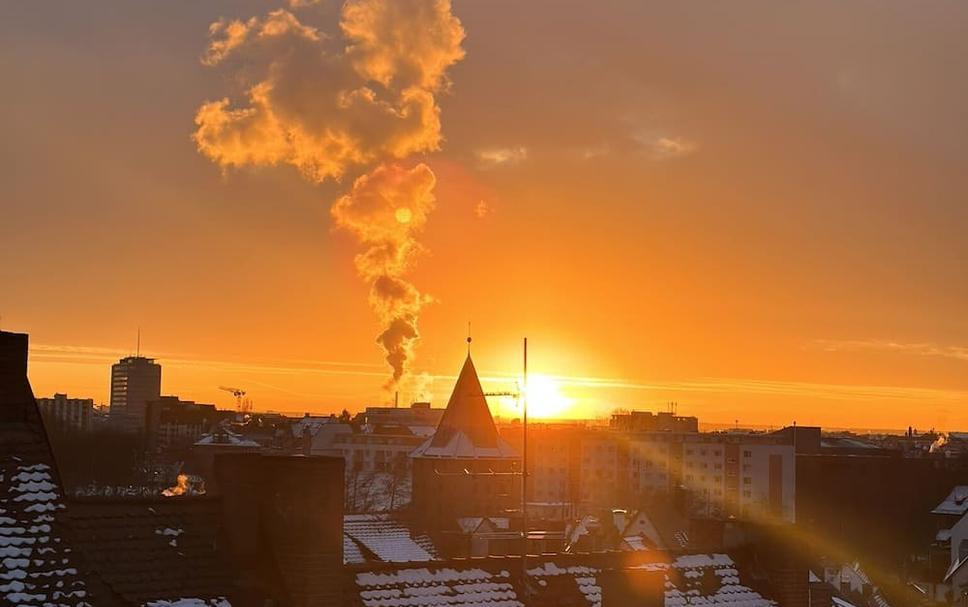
[[283, 525], [621, 587], [302, 521], [238, 482], [14, 390]]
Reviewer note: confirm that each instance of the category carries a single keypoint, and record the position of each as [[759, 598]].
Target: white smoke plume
[[938, 443], [328, 104], [386, 209]]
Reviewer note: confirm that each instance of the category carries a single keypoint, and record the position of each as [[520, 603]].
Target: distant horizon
[[96, 361]]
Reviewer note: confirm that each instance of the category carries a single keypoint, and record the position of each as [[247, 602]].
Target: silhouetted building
[[38, 565], [173, 422], [583, 469], [69, 413], [272, 535], [465, 470], [135, 381], [646, 421], [282, 520]]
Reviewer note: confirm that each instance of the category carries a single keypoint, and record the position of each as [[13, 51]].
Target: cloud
[[665, 147], [595, 151], [489, 158], [325, 104], [880, 345]]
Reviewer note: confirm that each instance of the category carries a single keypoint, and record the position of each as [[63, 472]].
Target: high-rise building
[[135, 381]]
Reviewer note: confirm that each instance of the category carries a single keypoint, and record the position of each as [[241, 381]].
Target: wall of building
[[745, 475], [135, 381], [71, 413]]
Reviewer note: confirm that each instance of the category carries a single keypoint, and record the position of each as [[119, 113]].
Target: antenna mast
[[524, 472]]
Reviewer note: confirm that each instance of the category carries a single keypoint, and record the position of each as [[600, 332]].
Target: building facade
[[465, 470], [579, 469], [135, 380], [70, 413], [173, 422]]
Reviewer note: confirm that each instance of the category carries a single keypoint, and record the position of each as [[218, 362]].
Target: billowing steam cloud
[[385, 210], [324, 105], [330, 104]]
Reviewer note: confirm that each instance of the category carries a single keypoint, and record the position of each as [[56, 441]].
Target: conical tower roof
[[466, 428]]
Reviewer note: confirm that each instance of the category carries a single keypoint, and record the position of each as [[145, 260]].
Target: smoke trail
[[329, 104], [386, 209]]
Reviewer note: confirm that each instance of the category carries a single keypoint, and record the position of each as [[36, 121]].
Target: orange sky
[[756, 211]]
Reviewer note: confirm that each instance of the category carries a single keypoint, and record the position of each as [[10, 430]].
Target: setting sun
[[545, 399]]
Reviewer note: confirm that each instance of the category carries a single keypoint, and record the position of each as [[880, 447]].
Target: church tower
[[465, 470]]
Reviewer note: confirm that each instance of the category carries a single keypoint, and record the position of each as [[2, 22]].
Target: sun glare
[[545, 398]]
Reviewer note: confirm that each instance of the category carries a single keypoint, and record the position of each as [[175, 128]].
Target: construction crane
[[242, 404]]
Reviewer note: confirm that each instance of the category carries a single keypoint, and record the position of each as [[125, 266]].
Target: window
[[747, 493], [747, 480], [747, 454]]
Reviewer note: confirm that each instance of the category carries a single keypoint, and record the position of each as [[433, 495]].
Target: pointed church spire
[[467, 412]]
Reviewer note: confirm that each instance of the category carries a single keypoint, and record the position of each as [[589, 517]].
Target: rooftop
[[466, 429], [955, 504]]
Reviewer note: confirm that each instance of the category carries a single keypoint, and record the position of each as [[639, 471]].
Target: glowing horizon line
[[46, 353]]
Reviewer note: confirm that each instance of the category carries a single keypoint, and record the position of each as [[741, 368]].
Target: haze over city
[[752, 210]]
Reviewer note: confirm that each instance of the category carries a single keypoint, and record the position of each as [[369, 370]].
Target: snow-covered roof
[[227, 439], [460, 445], [421, 430], [956, 503], [37, 563], [572, 581], [685, 583], [636, 542], [447, 586], [191, 602], [466, 430], [312, 424], [384, 538], [955, 566]]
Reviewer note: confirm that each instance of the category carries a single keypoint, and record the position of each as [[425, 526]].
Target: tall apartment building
[[135, 380], [583, 469], [71, 413]]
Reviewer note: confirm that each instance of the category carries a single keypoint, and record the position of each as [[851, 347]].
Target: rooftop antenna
[[469, 339], [524, 471], [138, 349]]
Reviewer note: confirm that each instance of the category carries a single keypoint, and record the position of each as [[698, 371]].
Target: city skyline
[[761, 222]]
